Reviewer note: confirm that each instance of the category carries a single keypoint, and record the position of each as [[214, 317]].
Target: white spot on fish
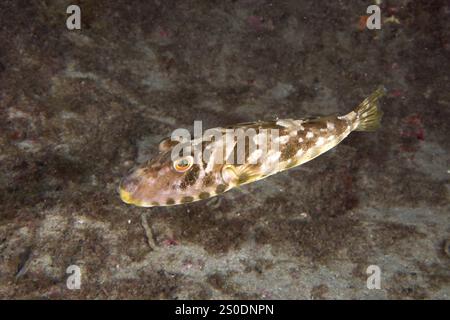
[[253, 158], [298, 124], [273, 156], [330, 126], [299, 153], [309, 135], [349, 116], [300, 140], [282, 139], [260, 139], [285, 123], [270, 164], [320, 141]]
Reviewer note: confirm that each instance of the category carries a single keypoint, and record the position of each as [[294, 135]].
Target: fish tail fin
[[368, 113]]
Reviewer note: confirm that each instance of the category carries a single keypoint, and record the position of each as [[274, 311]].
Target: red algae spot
[[411, 131], [259, 23], [413, 119], [396, 93], [413, 127], [255, 22], [163, 33], [170, 242], [362, 23], [420, 134], [392, 10]]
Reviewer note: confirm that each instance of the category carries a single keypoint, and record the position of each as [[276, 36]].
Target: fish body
[[165, 181]]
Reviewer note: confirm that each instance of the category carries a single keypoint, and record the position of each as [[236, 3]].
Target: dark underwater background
[[79, 108]]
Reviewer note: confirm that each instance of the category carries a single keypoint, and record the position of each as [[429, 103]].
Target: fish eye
[[183, 164]]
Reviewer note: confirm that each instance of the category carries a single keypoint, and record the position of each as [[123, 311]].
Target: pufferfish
[[166, 182]]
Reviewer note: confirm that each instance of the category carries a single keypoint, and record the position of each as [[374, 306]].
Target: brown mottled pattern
[[259, 127], [197, 184], [221, 188], [208, 180], [191, 177], [318, 127], [289, 150], [341, 126]]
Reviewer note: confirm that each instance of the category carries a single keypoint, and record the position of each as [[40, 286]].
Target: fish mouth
[[126, 190], [126, 196], [128, 199]]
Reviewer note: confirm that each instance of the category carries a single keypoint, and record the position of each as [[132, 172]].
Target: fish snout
[[127, 188]]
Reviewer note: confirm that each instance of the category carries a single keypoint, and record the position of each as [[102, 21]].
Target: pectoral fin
[[239, 175]]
